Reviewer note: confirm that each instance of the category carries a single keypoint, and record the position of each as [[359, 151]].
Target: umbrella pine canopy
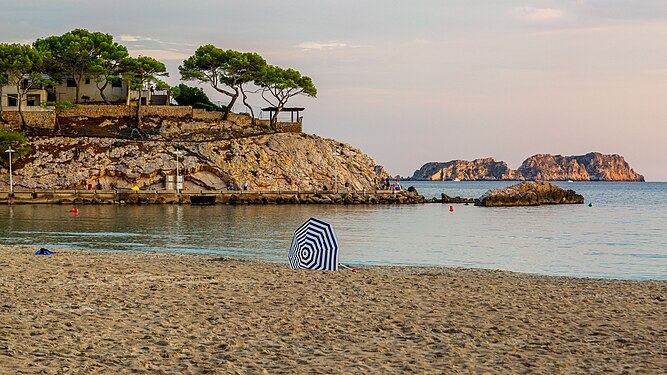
[[314, 246]]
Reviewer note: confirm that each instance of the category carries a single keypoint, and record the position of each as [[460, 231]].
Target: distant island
[[593, 166]]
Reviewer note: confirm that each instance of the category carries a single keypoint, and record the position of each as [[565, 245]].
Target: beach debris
[[314, 246], [353, 269], [44, 251]]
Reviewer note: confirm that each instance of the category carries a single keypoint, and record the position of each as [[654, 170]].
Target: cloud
[[22, 41], [539, 14], [132, 38], [160, 54], [321, 46]]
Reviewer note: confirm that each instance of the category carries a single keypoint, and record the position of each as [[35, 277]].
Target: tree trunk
[[127, 100], [24, 126], [139, 110], [106, 83], [19, 96], [138, 126], [2, 117], [231, 104], [76, 90], [56, 128], [245, 102], [274, 118]]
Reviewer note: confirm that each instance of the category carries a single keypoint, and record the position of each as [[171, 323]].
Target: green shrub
[[63, 105]]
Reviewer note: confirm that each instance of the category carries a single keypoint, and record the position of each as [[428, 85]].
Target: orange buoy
[[451, 208], [74, 211]]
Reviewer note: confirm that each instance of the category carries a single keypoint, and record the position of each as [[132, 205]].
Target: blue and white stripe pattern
[[314, 246]]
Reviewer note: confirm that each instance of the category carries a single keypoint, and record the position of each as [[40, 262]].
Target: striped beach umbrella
[[314, 246]]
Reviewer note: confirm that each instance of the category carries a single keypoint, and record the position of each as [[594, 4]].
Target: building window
[[71, 82], [32, 100], [11, 101], [116, 82], [87, 81]]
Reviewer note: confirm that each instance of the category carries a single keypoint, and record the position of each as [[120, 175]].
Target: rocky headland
[[282, 161], [593, 166], [100, 152]]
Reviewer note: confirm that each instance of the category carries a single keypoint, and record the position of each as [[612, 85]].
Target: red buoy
[[74, 211], [451, 208]]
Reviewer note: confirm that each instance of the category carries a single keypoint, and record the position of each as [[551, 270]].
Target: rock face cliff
[[480, 169], [382, 173], [280, 161], [593, 166]]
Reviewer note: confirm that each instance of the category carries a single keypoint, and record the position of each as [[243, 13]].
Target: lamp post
[[335, 155], [11, 179], [178, 153]]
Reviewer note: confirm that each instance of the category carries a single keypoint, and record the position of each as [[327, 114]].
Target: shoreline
[[79, 311], [210, 197]]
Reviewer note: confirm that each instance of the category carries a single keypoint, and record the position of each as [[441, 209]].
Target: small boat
[[570, 181], [456, 180]]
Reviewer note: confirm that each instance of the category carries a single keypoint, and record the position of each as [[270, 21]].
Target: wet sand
[[80, 312]]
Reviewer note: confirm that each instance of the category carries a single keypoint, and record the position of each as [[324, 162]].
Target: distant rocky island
[[593, 166]]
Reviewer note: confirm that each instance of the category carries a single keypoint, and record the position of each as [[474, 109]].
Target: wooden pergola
[[291, 110]]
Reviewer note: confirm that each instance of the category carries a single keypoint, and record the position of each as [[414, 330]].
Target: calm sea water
[[623, 235]]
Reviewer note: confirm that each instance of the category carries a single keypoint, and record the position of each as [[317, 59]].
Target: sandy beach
[[82, 312]]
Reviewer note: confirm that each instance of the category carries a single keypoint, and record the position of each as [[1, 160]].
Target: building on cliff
[[116, 92], [31, 101]]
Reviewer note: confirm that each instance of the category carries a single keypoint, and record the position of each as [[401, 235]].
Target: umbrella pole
[[349, 268]]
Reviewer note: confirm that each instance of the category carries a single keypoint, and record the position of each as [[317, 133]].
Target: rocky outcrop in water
[[480, 169], [593, 166], [529, 194], [281, 161]]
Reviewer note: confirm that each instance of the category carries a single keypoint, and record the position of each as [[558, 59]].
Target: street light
[[335, 155], [178, 153], [11, 179]]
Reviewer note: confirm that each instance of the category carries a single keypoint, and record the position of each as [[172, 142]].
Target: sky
[[414, 82]]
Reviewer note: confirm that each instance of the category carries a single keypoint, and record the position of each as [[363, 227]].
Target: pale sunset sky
[[410, 82]]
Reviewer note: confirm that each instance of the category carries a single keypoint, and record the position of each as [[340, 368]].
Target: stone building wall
[[98, 110], [289, 127], [47, 119], [33, 119], [167, 111], [202, 114]]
